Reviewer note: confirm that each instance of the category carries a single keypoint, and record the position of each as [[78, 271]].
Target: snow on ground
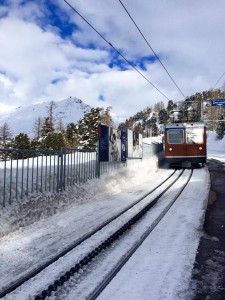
[[216, 148], [162, 266], [36, 228]]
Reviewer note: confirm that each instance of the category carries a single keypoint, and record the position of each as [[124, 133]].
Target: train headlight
[[170, 149], [200, 148]]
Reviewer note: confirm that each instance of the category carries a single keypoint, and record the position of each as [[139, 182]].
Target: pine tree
[[72, 135], [47, 127], [138, 128], [171, 107], [163, 116], [48, 122], [128, 124], [21, 142], [152, 126], [88, 128], [35, 144], [53, 141]]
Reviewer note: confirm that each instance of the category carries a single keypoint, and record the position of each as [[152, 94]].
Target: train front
[[185, 144]]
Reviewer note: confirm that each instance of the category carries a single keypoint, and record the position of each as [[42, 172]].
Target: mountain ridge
[[22, 119]]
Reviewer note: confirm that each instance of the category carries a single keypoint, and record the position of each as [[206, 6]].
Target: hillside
[[22, 119]]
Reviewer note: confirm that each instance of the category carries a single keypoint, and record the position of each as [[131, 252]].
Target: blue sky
[[49, 53]]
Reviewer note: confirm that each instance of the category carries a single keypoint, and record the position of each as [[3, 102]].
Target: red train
[[185, 144]]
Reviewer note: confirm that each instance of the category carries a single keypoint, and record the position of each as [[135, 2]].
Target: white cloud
[[37, 64], [34, 58]]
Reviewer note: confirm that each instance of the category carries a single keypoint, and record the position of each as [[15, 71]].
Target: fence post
[[4, 180], [64, 168], [97, 167], [60, 171]]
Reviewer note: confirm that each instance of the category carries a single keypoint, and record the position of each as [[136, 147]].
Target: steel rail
[[76, 243], [125, 258], [105, 244]]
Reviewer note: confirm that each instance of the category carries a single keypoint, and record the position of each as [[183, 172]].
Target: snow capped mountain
[[22, 119]]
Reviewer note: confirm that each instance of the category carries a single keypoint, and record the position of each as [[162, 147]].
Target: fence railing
[[26, 172]]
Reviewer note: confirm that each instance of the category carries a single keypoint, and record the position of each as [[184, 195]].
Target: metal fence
[[24, 172], [27, 172]]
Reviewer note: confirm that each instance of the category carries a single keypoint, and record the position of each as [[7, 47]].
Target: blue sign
[[218, 102], [103, 134], [123, 146]]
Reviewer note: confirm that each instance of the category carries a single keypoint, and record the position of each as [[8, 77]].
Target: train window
[[194, 135], [175, 136]]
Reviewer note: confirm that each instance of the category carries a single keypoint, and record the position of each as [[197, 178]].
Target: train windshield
[[194, 135], [175, 136]]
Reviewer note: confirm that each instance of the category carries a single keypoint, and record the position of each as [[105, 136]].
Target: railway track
[[80, 258]]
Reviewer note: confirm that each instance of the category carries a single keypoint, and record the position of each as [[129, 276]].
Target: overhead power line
[[219, 80], [151, 48], [120, 54]]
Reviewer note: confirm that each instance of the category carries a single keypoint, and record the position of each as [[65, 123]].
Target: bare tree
[[5, 134], [223, 87], [61, 127], [52, 105], [159, 106], [37, 127], [106, 118]]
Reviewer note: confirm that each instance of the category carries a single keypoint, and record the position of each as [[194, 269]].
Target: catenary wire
[[219, 80], [151, 48], [116, 50]]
